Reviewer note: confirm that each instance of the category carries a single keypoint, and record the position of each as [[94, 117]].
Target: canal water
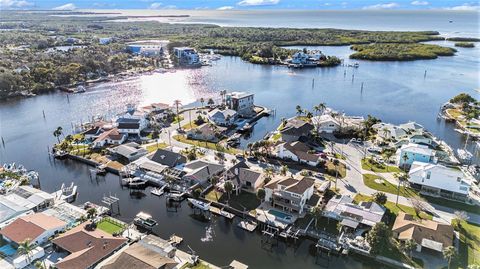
[[393, 91]]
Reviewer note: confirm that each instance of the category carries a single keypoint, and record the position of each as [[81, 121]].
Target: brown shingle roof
[[21, 230], [140, 257], [86, 247], [408, 228], [301, 186], [301, 150]]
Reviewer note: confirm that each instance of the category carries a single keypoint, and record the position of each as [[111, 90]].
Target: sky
[[241, 4]]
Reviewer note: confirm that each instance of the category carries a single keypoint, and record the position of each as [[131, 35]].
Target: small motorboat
[[144, 220], [100, 170], [80, 89], [60, 154], [199, 204], [135, 182], [158, 191]]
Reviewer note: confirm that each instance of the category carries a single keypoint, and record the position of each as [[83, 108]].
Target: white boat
[[464, 155], [144, 220], [79, 89], [158, 191], [135, 182], [199, 204], [175, 196]]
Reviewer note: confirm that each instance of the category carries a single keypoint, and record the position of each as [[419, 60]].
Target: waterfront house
[[428, 234], [151, 252], [422, 139], [200, 172], [241, 102], [438, 180], [36, 228], [168, 158], [131, 126], [326, 123], [409, 153], [244, 178], [128, 152], [109, 137], [206, 132], [290, 194], [412, 128], [186, 56], [297, 151], [10, 209], [295, 129], [148, 48], [343, 209], [37, 198], [85, 247], [225, 117], [388, 131]]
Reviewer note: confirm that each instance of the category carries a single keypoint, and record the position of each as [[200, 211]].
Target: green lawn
[[386, 186], [110, 226], [190, 125], [154, 147], [244, 199], [342, 169], [200, 265], [453, 204], [393, 208], [177, 119], [378, 168], [214, 196], [203, 144], [469, 249]]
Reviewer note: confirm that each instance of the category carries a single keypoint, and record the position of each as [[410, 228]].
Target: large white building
[[241, 102], [439, 180], [187, 56]]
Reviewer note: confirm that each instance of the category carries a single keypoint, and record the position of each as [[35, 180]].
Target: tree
[[402, 178], [25, 248], [214, 180], [380, 198], [283, 170], [210, 102], [449, 253], [378, 237], [409, 246], [261, 194], [405, 158], [178, 103], [299, 110], [228, 188], [460, 216], [336, 162], [57, 133], [317, 214], [388, 154], [91, 213], [268, 172], [196, 193], [202, 101]]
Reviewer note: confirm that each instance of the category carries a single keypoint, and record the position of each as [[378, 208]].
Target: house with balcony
[[222, 117], [241, 102], [295, 129], [187, 56], [438, 180], [290, 194], [409, 153], [244, 178]]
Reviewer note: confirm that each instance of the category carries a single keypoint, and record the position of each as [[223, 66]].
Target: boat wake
[[208, 234]]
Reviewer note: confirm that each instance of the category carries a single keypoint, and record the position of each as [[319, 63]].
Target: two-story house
[[409, 153], [290, 194]]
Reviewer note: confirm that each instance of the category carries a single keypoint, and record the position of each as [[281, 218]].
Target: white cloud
[[155, 5], [69, 6], [258, 2], [465, 7], [12, 4], [225, 8], [420, 3], [382, 6]]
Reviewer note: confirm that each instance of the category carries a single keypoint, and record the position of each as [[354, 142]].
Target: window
[[429, 174]]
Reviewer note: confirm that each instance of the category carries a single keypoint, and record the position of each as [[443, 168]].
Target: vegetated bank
[[399, 52], [464, 44]]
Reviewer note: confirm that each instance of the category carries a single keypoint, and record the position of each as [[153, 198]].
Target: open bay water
[[393, 91]]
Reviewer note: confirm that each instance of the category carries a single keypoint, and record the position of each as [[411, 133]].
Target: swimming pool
[[280, 214], [8, 250]]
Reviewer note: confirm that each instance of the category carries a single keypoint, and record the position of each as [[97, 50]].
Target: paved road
[[353, 183]]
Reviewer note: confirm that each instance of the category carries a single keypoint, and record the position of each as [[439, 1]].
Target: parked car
[[240, 156], [252, 159], [374, 150]]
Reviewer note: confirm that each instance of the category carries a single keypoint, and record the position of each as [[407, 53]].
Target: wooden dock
[[247, 225], [220, 212]]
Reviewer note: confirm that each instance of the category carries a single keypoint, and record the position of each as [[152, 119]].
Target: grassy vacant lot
[[368, 165], [469, 249], [342, 169], [244, 199], [386, 186], [399, 52], [393, 208], [214, 195], [208, 145], [110, 226], [453, 204], [154, 147]]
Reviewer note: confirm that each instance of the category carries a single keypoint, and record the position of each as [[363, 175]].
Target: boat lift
[[111, 201]]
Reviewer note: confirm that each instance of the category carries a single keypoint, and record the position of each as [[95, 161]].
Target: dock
[[238, 265], [221, 212], [247, 225]]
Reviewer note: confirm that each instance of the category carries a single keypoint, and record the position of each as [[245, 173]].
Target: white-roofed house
[[224, 117], [409, 153], [389, 131], [326, 123], [439, 180]]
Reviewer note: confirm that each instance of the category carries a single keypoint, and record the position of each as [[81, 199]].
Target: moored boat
[[144, 220], [158, 191], [199, 204]]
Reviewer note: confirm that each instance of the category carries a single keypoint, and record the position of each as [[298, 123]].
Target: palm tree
[[316, 109], [202, 101], [322, 106], [178, 103], [57, 133], [386, 132], [380, 198], [409, 246], [299, 110], [228, 188], [317, 214], [268, 174], [402, 178], [405, 158], [261, 194], [283, 170], [26, 248], [210, 102], [336, 162], [91, 213], [449, 254]]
